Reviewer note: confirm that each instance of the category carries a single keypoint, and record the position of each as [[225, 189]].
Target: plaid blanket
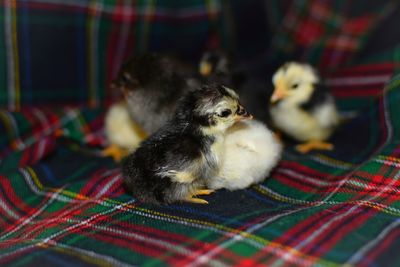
[[62, 204]]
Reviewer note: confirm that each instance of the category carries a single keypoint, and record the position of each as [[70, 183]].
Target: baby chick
[[216, 66], [175, 162], [302, 108], [152, 84], [251, 152], [122, 133], [219, 66]]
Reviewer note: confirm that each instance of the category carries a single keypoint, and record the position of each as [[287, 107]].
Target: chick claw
[[200, 192], [203, 192], [196, 200], [115, 152], [314, 144]]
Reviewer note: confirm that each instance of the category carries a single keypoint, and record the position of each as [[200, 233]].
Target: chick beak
[[242, 114], [205, 68], [280, 92]]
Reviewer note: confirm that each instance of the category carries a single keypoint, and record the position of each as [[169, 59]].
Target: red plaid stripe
[[325, 34]]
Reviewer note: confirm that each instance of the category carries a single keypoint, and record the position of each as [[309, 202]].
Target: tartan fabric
[[328, 34], [61, 204], [68, 52]]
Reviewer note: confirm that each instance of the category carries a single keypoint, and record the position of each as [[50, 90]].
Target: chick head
[[294, 83], [145, 71], [213, 107], [214, 62]]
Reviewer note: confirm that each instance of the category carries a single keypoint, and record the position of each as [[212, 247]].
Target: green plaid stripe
[[322, 209], [78, 46], [324, 33], [62, 204]]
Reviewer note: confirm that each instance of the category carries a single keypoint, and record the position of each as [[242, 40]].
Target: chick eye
[[226, 113], [295, 85]]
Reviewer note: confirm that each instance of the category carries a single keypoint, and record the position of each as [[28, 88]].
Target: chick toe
[[203, 192], [314, 145], [198, 192], [196, 200], [115, 152]]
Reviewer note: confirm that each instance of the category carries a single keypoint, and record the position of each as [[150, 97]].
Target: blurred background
[[57, 61], [56, 52]]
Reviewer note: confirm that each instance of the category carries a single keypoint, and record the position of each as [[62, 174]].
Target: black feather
[[319, 96]]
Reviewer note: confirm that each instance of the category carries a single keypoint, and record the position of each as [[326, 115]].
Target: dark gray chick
[[152, 84]]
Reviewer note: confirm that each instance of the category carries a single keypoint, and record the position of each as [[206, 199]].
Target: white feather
[[120, 129], [251, 152], [305, 126]]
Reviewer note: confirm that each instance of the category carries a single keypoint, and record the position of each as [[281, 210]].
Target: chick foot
[[115, 152], [59, 132], [312, 145], [196, 200]]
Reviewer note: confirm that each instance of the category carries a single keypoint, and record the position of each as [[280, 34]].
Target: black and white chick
[[152, 85], [174, 163], [302, 108]]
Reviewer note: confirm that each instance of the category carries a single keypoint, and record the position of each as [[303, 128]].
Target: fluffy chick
[[251, 152], [122, 133], [302, 108], [220, 67], [175, 162], [152, 85], [216, 66]]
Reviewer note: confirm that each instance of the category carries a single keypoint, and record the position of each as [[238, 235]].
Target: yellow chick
[[122, 133], [251, 151], [302, 108]]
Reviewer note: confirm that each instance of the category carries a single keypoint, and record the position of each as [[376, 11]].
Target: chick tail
[[136, 182], [345, 117], [138, 189]]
